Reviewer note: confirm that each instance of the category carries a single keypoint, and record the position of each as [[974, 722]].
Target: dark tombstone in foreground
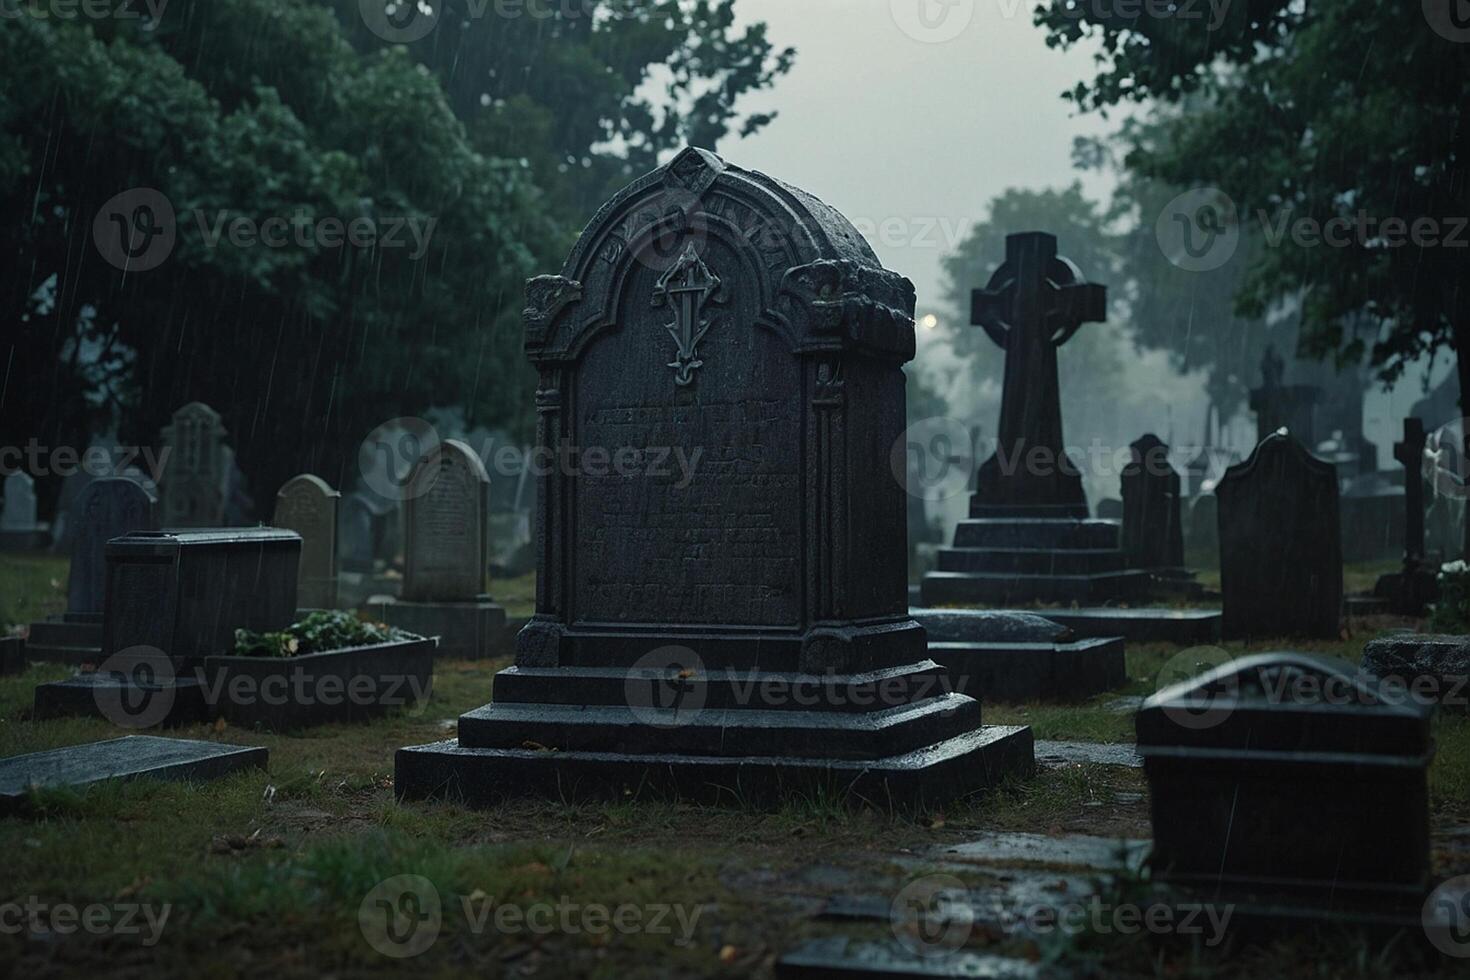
[[1029, 538], [447, 557], [1280, 555], [307, 505], [108, 508], [1287, 779], [1153, 530], [738, 631], [1411, 589], [127, 758]]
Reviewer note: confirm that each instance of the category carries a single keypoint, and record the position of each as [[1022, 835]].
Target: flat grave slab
[[1016, 657], [840, 957], [1096, 854], [1186, 627], [130, 757], [1087, 753]]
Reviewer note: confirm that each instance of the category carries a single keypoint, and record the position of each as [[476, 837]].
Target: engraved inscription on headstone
[[447, 506], [308, 506]]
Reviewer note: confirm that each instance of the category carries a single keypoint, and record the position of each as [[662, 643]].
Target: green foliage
[[1451, 613], [493, 138], [1320, 112], [318, 632]]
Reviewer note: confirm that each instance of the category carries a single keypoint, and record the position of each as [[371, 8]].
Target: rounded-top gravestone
[[109, 508]]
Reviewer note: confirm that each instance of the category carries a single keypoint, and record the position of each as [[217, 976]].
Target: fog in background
[[910, 140]]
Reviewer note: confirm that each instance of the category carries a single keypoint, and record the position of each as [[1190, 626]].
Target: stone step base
[[1031, 561], [965, 588], [1055, 533], [722, 689], [58, 633], [1016, 673], [965, 764], [693, 730]]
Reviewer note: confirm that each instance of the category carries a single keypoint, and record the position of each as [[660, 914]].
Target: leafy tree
[[1306, 115], [283, 109]]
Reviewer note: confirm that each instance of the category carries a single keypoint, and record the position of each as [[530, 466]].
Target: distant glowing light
[[929, 321]]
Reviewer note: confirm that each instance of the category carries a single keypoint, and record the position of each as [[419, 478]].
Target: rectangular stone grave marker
[[701, 627], [308, 506], [1280, 551], [109, 507], [447, 556], [1287, 775], [131, 757], [1153, 531], [184, 593]]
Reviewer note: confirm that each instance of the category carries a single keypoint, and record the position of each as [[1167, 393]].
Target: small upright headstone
[[446, 556], [748, 330], [1153, 536], [19, 530], [108, 508], [195, 471], [1280, 551], [1245, 762], [308, 506]]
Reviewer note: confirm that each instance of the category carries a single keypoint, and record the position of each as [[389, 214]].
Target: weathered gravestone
[[19, 530], [447, 556], [1431, 668], [308, 506], [1282, 406], [108, 508], [1153, 531], [1280, 554], [172, 599], [195, 479], [1029, 538], [1416, 585], [737, 629], [1287, 778]]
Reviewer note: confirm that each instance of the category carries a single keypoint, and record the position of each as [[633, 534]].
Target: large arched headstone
[[1280, 544], [718, 528]]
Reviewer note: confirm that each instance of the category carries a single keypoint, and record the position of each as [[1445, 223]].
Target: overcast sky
[[909, 130]]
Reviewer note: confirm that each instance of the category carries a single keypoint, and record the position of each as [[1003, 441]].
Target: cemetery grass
[[32, 587], [265, 871]]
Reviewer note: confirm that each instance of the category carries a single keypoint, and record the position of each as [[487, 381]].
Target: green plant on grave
[[317, 633], [1452, 610]]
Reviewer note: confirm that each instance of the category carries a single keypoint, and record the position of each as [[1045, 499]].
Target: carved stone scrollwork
[[546, 298]]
